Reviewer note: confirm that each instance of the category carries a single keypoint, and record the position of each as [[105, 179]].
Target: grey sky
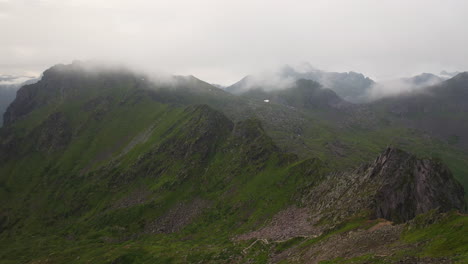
[[221, 41]]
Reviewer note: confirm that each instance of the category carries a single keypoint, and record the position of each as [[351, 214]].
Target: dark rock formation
[[397, 186], [412, 186], [23, 104]]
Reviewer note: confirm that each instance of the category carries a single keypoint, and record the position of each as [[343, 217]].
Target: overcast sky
[[221, 41]]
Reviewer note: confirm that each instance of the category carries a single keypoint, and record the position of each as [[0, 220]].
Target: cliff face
[[400, 188], [23, 104], [58, 83], [397, 186], [411, 186]]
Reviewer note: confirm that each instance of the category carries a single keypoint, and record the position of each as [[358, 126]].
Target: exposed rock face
[[412, 186], [397, 186], [60, 83], [23, 104], [29, 97], [53, 134]]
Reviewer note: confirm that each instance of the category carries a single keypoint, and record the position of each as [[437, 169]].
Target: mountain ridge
[[113, 168]]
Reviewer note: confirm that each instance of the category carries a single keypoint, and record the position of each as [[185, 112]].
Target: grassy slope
[[64, 200], [361, 144], [54, 195]]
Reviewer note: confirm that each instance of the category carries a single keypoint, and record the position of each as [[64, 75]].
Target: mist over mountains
[[108, 164], [350, 86], [233, 132], [271, 85]]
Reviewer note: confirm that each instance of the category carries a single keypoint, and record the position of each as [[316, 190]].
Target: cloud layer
[[221, 41]]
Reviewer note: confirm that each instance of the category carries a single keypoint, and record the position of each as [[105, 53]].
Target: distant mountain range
[[423, 80], [350, 86]]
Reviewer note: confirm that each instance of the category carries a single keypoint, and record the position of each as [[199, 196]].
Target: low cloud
[[222, 41], [9, 81], [403, 85]]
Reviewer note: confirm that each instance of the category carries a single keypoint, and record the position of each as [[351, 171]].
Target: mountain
[[423, 80], [7, 95], [112, 166], [305, 94], [396, 187], [439, 109], [218, 86], [350, 86], [448, 74], [8, 87]]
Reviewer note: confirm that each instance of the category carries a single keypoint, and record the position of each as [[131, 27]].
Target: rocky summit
[[397, 186]]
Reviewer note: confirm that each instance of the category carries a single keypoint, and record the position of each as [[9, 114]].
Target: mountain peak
[[351, 86], [412, 186], [396, 186], [461, 76]]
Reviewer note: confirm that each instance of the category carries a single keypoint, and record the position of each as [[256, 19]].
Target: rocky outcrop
[[397, 186], [412, 186], [24, 103]]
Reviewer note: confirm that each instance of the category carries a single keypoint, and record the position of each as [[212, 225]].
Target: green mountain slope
[[109, 167], [314, 122]]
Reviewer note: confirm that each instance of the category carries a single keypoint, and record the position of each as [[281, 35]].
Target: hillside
[[429, 122], [439, 110], [111, 166], [7, 95], [8, 87]]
